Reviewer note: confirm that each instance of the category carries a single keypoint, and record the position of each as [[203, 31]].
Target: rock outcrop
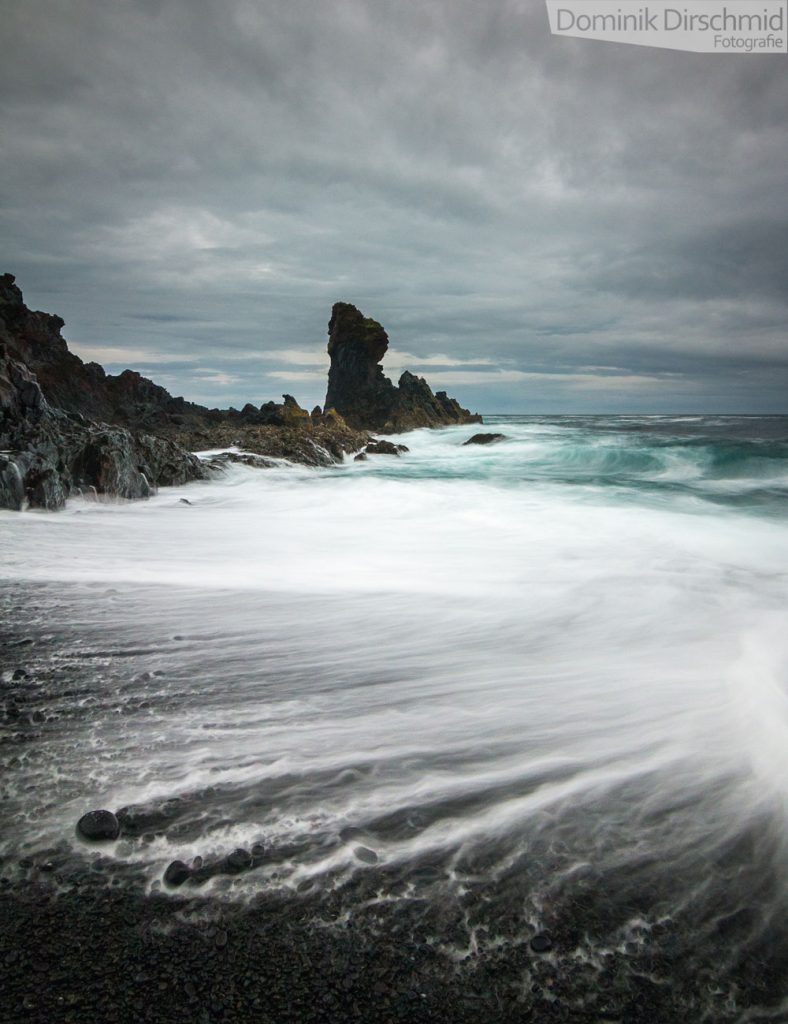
[[49, 448], [127, 399], [67, 427], [309, 441], [484, 439], [362, 394]]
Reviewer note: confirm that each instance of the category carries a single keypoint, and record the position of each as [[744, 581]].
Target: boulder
[[98, 826], [138, 819], [484, 439], [176, 873], [385, 448]]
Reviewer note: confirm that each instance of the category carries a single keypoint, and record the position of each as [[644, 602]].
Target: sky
[[542, 224]]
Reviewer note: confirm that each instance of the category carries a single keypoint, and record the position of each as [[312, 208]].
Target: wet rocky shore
[[93, 932], [76, 949]]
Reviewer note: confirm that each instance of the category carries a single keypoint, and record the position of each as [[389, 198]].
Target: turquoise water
[[731, 461], [543, 684]]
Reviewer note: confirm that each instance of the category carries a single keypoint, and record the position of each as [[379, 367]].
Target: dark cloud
[[573, 225]]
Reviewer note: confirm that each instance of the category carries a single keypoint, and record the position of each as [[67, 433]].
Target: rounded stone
[[363, 853], [98, 826], [541, 943], [176, 873], [239, 860]]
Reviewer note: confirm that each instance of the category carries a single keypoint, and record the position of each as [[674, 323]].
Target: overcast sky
[[541, 224]]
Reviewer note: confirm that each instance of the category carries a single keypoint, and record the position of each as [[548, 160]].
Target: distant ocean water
[[533, 688]]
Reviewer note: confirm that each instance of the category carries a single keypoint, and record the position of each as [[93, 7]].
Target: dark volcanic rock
[[50, 450], [67, 427], [137, 819], [484, 439], [360, 392], [83, 389], [98, 826], [541, 943], [309, 443], [176, 873], [385, 448], [238, 860], [12, 485]]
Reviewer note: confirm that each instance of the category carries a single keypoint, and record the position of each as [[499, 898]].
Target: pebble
[[541, 943]]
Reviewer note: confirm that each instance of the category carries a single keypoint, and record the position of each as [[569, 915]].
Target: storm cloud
[[541, 223]]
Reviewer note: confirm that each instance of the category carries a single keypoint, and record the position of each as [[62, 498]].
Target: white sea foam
[[464, 637]]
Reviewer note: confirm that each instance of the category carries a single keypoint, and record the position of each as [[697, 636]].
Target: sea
[[525, 700]]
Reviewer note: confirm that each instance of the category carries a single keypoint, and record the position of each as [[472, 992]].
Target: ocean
[[524, 705]]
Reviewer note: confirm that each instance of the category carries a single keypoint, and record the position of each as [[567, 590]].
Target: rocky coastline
[[68, 428]]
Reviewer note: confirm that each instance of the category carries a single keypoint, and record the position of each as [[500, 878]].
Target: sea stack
[[363, 395]]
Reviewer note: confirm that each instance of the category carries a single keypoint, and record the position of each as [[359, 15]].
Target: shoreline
[[661, 892], [109, 953]]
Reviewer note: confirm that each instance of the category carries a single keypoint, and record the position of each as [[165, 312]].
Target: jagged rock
[[310, 444], [50, 452], [12, 487], [385, 448], [58, 458], [68, 427], [249, 413], [292, 413], [484, 439], [364, 396], [243, 458], [83, 389]]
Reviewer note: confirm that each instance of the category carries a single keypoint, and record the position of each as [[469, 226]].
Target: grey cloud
[[204, 179]]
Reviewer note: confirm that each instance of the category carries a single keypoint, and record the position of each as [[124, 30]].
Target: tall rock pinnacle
[[359, 390]]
